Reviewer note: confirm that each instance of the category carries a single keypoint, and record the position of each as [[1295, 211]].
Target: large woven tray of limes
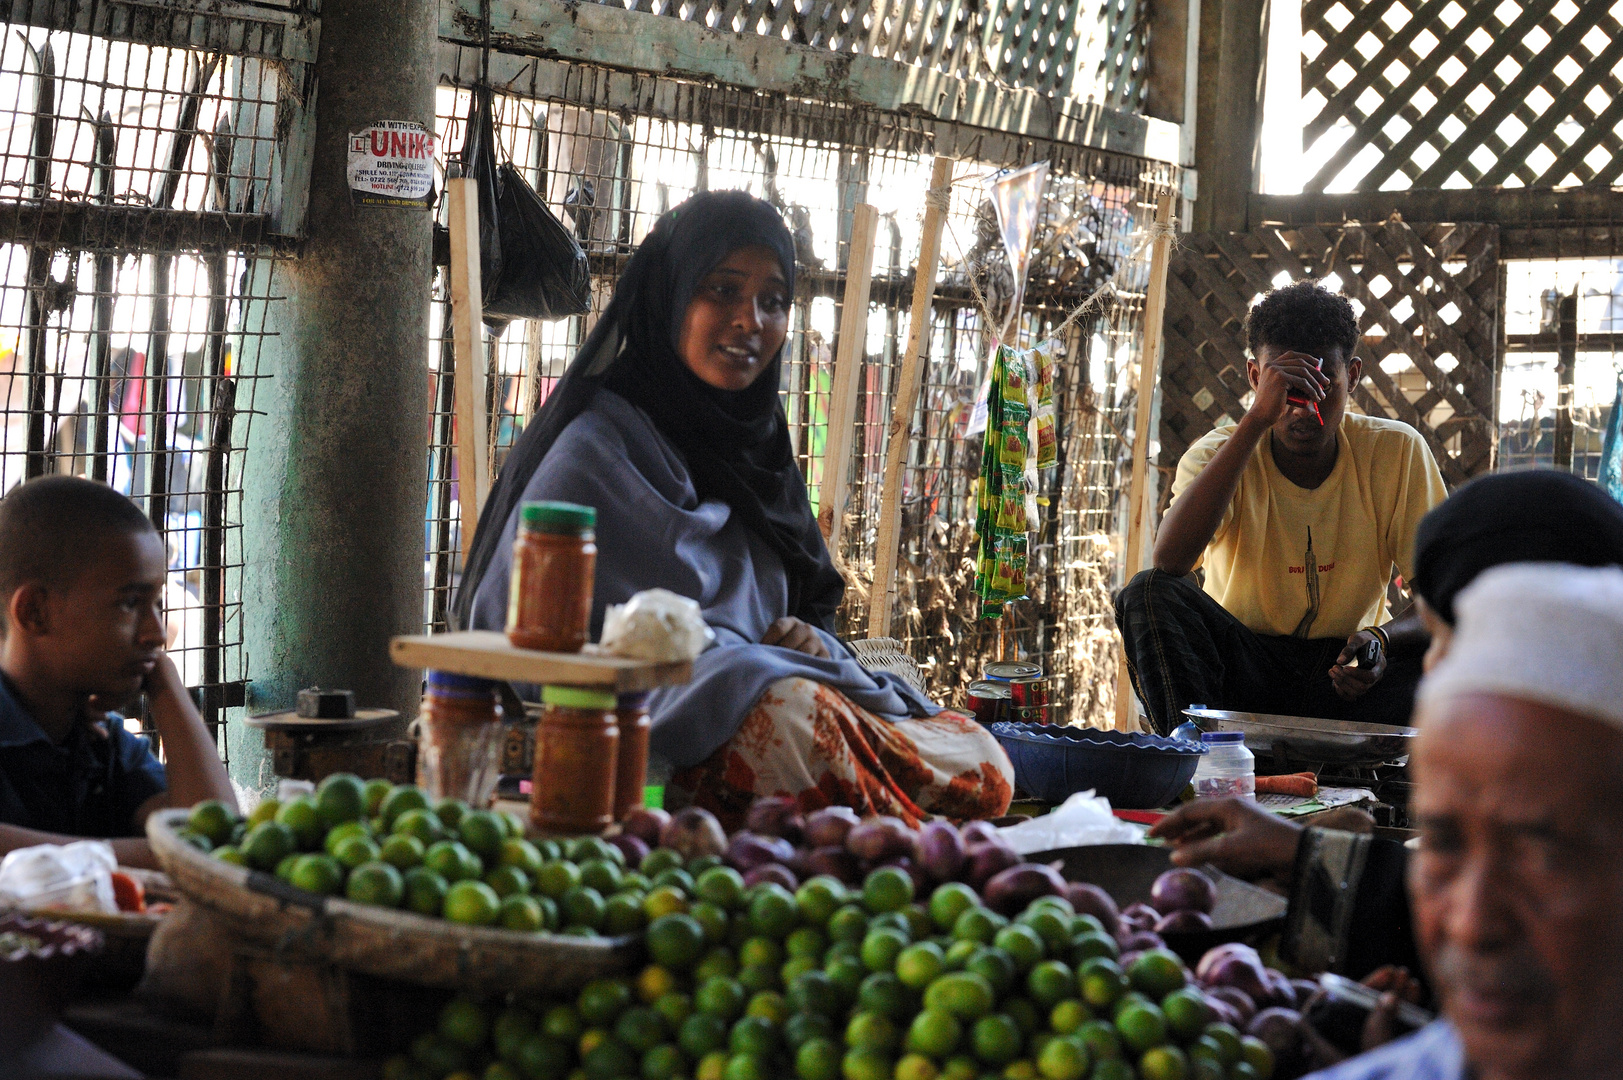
[[379, 882]]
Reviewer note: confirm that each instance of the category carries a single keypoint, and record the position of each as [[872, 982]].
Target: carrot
[[128, 893], [1304, 784]]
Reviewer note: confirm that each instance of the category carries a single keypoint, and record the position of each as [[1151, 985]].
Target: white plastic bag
[[76, 877], [1080, 821], [656, 625]]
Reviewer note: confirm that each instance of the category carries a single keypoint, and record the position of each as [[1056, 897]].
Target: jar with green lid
[[549, 600], [577, 746]]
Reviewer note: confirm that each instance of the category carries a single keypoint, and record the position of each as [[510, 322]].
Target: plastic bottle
[[1227, 769]]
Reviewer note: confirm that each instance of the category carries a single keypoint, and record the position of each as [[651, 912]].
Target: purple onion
[[634, 848], [747, 850], [987, 860], [829, 826], [1091, 900], [1009, 891], [1183, 890], [776, 815], [1184, 922], [941, 851], [772, 872], [881, 838], [645, 823]]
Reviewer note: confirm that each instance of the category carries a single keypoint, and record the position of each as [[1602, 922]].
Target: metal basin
[[1309, 739]]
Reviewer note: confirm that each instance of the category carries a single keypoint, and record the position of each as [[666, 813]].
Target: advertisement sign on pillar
[[391, 163]]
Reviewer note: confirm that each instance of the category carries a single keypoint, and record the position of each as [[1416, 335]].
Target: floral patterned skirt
[[808, 741]]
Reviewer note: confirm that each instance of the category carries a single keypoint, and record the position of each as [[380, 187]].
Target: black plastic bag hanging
[[530, 266]]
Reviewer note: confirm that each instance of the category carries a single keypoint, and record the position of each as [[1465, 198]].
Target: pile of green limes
[[833, 983], [377, 843]]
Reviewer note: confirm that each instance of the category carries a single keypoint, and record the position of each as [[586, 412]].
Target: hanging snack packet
[[1043, 357], [1001, 519]]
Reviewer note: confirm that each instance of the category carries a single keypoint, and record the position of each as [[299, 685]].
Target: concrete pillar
[[336, 472]]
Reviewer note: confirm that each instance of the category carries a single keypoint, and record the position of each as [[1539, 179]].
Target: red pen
[[1298, 399]]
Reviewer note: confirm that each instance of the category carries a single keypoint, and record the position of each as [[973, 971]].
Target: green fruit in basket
[[341, 797], [472, 903], [399, 800], [212, 819], [1157, 973], [375, 883], [265, 811], [720, 885], [522, 854], [888, 888], [450, 811], [464, 1021], [949, 901], [582, 906], [500, 1070], [284, 869], [352, 851], [661, 859], [482, 832], [543, 1058], [425, 825], [424, 891], [230, 854], [438, 1054], [301, 816], [267, 844], [508, 881], [514, 823], [339, 834], [1051, 924], [320, 874], [675, 941], [403, 852], [452, 861], [623, 914], [818, 1059], [978, 924], [196, 840], [601, 1001], [376, 791], [1022, 943], [600, 874], [522, 913], [556, 877]]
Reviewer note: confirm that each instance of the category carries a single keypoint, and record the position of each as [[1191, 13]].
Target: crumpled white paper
[[75, 877], [656, 625], [1080, 821]]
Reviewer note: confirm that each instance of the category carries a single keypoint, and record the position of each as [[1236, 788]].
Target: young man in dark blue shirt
[[81, 635]]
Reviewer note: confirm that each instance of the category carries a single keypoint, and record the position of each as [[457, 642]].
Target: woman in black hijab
[[669, 423]]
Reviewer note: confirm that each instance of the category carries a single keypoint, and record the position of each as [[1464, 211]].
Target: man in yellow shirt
[[1298, 525]]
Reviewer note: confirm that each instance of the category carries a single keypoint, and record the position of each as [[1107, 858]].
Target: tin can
[[1009, 670], [1029, 692], [1030, 714], [988, 701]]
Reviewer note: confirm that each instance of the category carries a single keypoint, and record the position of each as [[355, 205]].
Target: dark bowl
[[1133, 770]]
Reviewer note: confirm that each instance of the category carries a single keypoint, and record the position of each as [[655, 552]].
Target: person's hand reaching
[[1352, 683], [791, 633], [1235, 835]]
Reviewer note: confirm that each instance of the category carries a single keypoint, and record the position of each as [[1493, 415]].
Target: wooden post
[[467, 313], [835, 490], [1155, 304], [907, 397], [1566, 363]]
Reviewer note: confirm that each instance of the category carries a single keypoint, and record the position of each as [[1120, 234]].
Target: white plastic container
[[1228, 769]]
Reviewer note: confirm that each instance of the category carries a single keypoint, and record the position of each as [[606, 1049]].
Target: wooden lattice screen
[[1083, 50], [1462, 93], [1428, 302]]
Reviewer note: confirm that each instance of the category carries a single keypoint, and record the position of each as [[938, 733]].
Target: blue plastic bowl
[[1133, 770]]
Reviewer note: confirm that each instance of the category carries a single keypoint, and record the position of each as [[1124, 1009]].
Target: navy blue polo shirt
[[90, 785]]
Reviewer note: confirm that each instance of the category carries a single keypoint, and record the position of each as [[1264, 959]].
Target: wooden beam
[[1168, 60], [634, 41], [87, 226], [226, 26], [1149, 362], [1228, 111], [467, 333], [907, 397], [835, 490]]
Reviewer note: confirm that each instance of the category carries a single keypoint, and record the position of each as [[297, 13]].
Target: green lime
[[516, 827], [449, 859], [1100, 1037], [450, 811], [339, 833], [819, 898], [212, 819], [402, 852], [352, 851], [818, 1059], [1142, 1027], [610, 1060], [1068, 1016], [754, 1035], [439, 1054], [1113, 1070], [664, 1062], [714, 920], [265, 811], [318, 874], [713, 1066], [301, 816], [920, 964], [1023, 944], [284, 868], [872, 1031], [1086, 946], [398, 801], [508, 881], [521, 913], [1156, 972], [701, 1034], [482, 832], [582, 848], [601, 1001], [472, 903], [622, 914], [808, 941], [1255, 1053], [1063, 1059], [557, 877], [848, 923], [375, 883], [815, 992], [978, 924], [934, 1032], [759, 951], [1101, 981], [601, 874], [959, 952], [772, 911], [718, 960], [542, 1058], [508, 1033], [721, 997], [582, 906], [747, 1067], [882, 947], [996, 1039], [1024, 1013], [949, 901], [889, 888], [884, 993], [522, 854], [1052, 925], [230, 854], [1187, 1013], [464, 1022], [769, 1005], [424, 891], [1050, 982], [659, 860], [563, 1022], [915, 1067], [964, 994], [846, 973], [675, 941], [867, 1065], [424, 824], [640, 1028], [960, 1067], [1086, 924], [341, 797], [1225, 1041], [995, 966], [801, 1027], [1163, 1063], [376, 790], [758, 977]]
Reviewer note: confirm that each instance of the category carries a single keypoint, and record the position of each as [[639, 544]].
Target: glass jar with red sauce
[[577, 747], [549, 605], [631, 775]]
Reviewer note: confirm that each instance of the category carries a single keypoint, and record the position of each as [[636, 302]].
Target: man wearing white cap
[[1517, 889]]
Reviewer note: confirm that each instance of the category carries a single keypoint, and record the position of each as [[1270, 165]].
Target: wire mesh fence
[[609, 172], [133, 297]]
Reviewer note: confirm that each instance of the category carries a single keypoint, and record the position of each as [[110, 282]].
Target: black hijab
[[1536, 515], [736, 443]]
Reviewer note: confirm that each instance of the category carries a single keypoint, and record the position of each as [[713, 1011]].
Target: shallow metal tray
[[1311, 740]]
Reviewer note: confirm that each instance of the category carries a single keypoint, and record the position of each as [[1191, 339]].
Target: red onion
[[692, 832], [835, 862], [645, 823], [979, 832], [829, 825], [1009, 891], [1184, 922], [1183, 890], [1225, 1011], [1280, 990], [1138, 917], [1091, 900], [772, 872], [634, 848], [1141, 941], [746, 850], [1236, 999], [776, 815], [1281, 1029], [880, 838], [986, 860], [941, 851], [1238, 966]]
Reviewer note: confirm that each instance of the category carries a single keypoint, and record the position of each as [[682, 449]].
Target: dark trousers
[[1184, 648]]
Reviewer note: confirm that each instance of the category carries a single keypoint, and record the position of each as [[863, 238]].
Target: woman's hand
[[790, 633], [1235, 835]]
